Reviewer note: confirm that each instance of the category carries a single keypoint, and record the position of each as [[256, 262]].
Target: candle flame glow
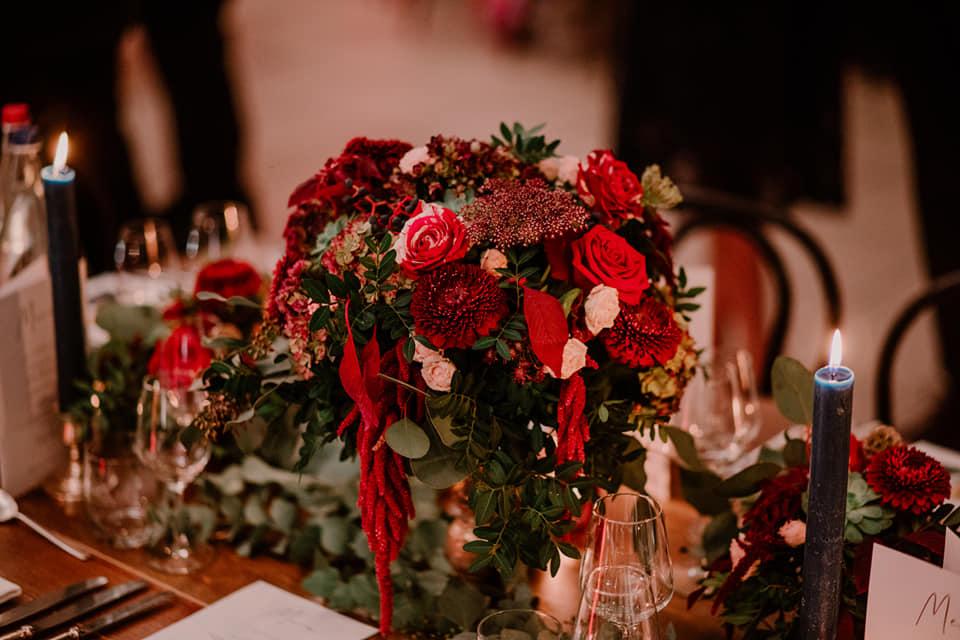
[[60, 157], [836, 350]]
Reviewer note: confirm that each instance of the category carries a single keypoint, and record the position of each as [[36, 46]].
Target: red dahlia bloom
[[907, 479], [229, 278], [456, 304], [643, 335]]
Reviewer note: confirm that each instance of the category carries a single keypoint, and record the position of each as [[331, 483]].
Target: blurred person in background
[[61, 58]]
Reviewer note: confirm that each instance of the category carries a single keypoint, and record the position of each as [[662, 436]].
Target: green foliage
[[793, 389], [407, 438], [528, 145]]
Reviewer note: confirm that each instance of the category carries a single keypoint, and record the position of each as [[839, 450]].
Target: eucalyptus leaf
[[128, 322], [322, 582], [685, 446], [747, 482], [408, 439], [793, 389], [334, 535], [444, 427], [462, 603], [283, 513], [438, 469]]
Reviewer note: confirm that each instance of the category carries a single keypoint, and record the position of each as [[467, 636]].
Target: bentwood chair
[[941, 291], [705, 209]]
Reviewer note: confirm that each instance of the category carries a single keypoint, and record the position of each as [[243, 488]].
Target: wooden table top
[[38, 567]]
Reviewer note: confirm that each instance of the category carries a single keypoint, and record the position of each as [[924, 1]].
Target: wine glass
[[219, 229], [519, 624], [617, 602], [628, 529], [164, 412], [146, 258], [722, 412]]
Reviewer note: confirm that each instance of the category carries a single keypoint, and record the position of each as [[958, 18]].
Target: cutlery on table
[[75, 609], [124, 614], [50, 600], [9, 510]]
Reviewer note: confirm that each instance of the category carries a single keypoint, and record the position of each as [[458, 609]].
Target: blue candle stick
[[64, 255], [826, 509]]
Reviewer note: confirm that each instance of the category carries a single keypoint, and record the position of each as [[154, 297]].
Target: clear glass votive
[[117, 492]]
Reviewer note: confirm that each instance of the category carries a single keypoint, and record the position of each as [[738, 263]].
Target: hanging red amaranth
[[384, 494], [573, 432]]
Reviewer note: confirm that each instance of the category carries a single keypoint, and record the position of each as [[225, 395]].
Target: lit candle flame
[[60, 157], [836, 350]]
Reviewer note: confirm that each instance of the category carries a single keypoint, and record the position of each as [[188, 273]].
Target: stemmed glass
[[628, 529], [164, 412], [617, 602], [146, 258], [519, 624], [218, 230]]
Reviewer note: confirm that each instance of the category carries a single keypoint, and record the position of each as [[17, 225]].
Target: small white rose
[[412, 158], [438, 372], [601, 308], [493, 259], [563, 169], [574, 359]]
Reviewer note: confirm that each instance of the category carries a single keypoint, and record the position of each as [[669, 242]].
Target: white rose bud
[[601, 308], [412, 158]]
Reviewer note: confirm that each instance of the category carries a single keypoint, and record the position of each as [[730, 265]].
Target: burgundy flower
[[780, 500], [907, 479], [229, 278], [643, 335], [456, 304], [610, 187]]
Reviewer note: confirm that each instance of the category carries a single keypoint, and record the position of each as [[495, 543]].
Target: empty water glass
[[617, 603]]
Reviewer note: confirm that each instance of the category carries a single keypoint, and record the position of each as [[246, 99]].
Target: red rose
[[178, 359], [229, 278], [610, 187], [603, 257], [434, 236]]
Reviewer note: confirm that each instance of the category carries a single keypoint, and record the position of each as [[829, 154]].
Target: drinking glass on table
[[164, 412], [628, 529], [146, 258], [519, 624], [219, 229], [617, 603]]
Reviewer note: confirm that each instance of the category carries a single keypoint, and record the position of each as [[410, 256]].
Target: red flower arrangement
[[908, 479], [229, 278], [429, 328]]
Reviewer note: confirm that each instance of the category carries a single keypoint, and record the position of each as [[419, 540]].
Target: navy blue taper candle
[[64, 255], [827, 505]]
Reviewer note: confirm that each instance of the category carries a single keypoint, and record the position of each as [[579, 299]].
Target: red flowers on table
[[611, 188], [643, 335], [229, 278], [178, 359], [908, 479], [433, 236], [456, 304], [603, 257]]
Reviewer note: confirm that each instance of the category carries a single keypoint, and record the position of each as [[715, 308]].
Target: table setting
[[469, 400]]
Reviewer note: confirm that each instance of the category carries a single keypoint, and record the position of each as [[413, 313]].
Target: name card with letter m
[[910, 598]]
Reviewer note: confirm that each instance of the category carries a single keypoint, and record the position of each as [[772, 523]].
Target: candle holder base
[[66, 486]]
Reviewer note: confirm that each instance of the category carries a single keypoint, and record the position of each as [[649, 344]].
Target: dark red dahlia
[[643, 335], [517, 213], [780, 500], [907, 479], [456, 304]]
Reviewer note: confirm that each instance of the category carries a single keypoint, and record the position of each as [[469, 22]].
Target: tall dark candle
[[64, 256], [826, 511]]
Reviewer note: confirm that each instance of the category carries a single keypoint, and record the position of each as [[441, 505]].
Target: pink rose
[[574, 359], [434, 236], [491, 260], [438, 372], [601, 308], [794, 532], [422, 352]]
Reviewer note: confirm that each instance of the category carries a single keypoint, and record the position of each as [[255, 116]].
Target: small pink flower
[[737, 554], [574, 359], [493, 259], [601, 308], [794, 532], [438, 372], [422, 352], [412, 158]]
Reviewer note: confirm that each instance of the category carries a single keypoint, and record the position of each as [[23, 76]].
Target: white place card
[[910, 598], [261, 611]]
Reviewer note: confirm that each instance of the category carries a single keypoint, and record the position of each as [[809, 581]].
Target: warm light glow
[[60, 157], [231, 216], [836, 350]]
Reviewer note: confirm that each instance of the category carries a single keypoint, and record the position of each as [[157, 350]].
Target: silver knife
[[50, 600], [115, 617], [74, 610]]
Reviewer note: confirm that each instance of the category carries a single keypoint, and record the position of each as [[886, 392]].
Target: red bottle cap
[[16, 113]]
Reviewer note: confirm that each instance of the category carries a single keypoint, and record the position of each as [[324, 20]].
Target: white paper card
[[951, 552], [910, 598], [261, 611]]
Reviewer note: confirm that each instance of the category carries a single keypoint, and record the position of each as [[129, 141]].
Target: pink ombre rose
[[434, 236], [601, 308], [437, 372]]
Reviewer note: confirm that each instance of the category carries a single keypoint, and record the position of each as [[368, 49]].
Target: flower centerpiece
[[895, 497], [471, 310]]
